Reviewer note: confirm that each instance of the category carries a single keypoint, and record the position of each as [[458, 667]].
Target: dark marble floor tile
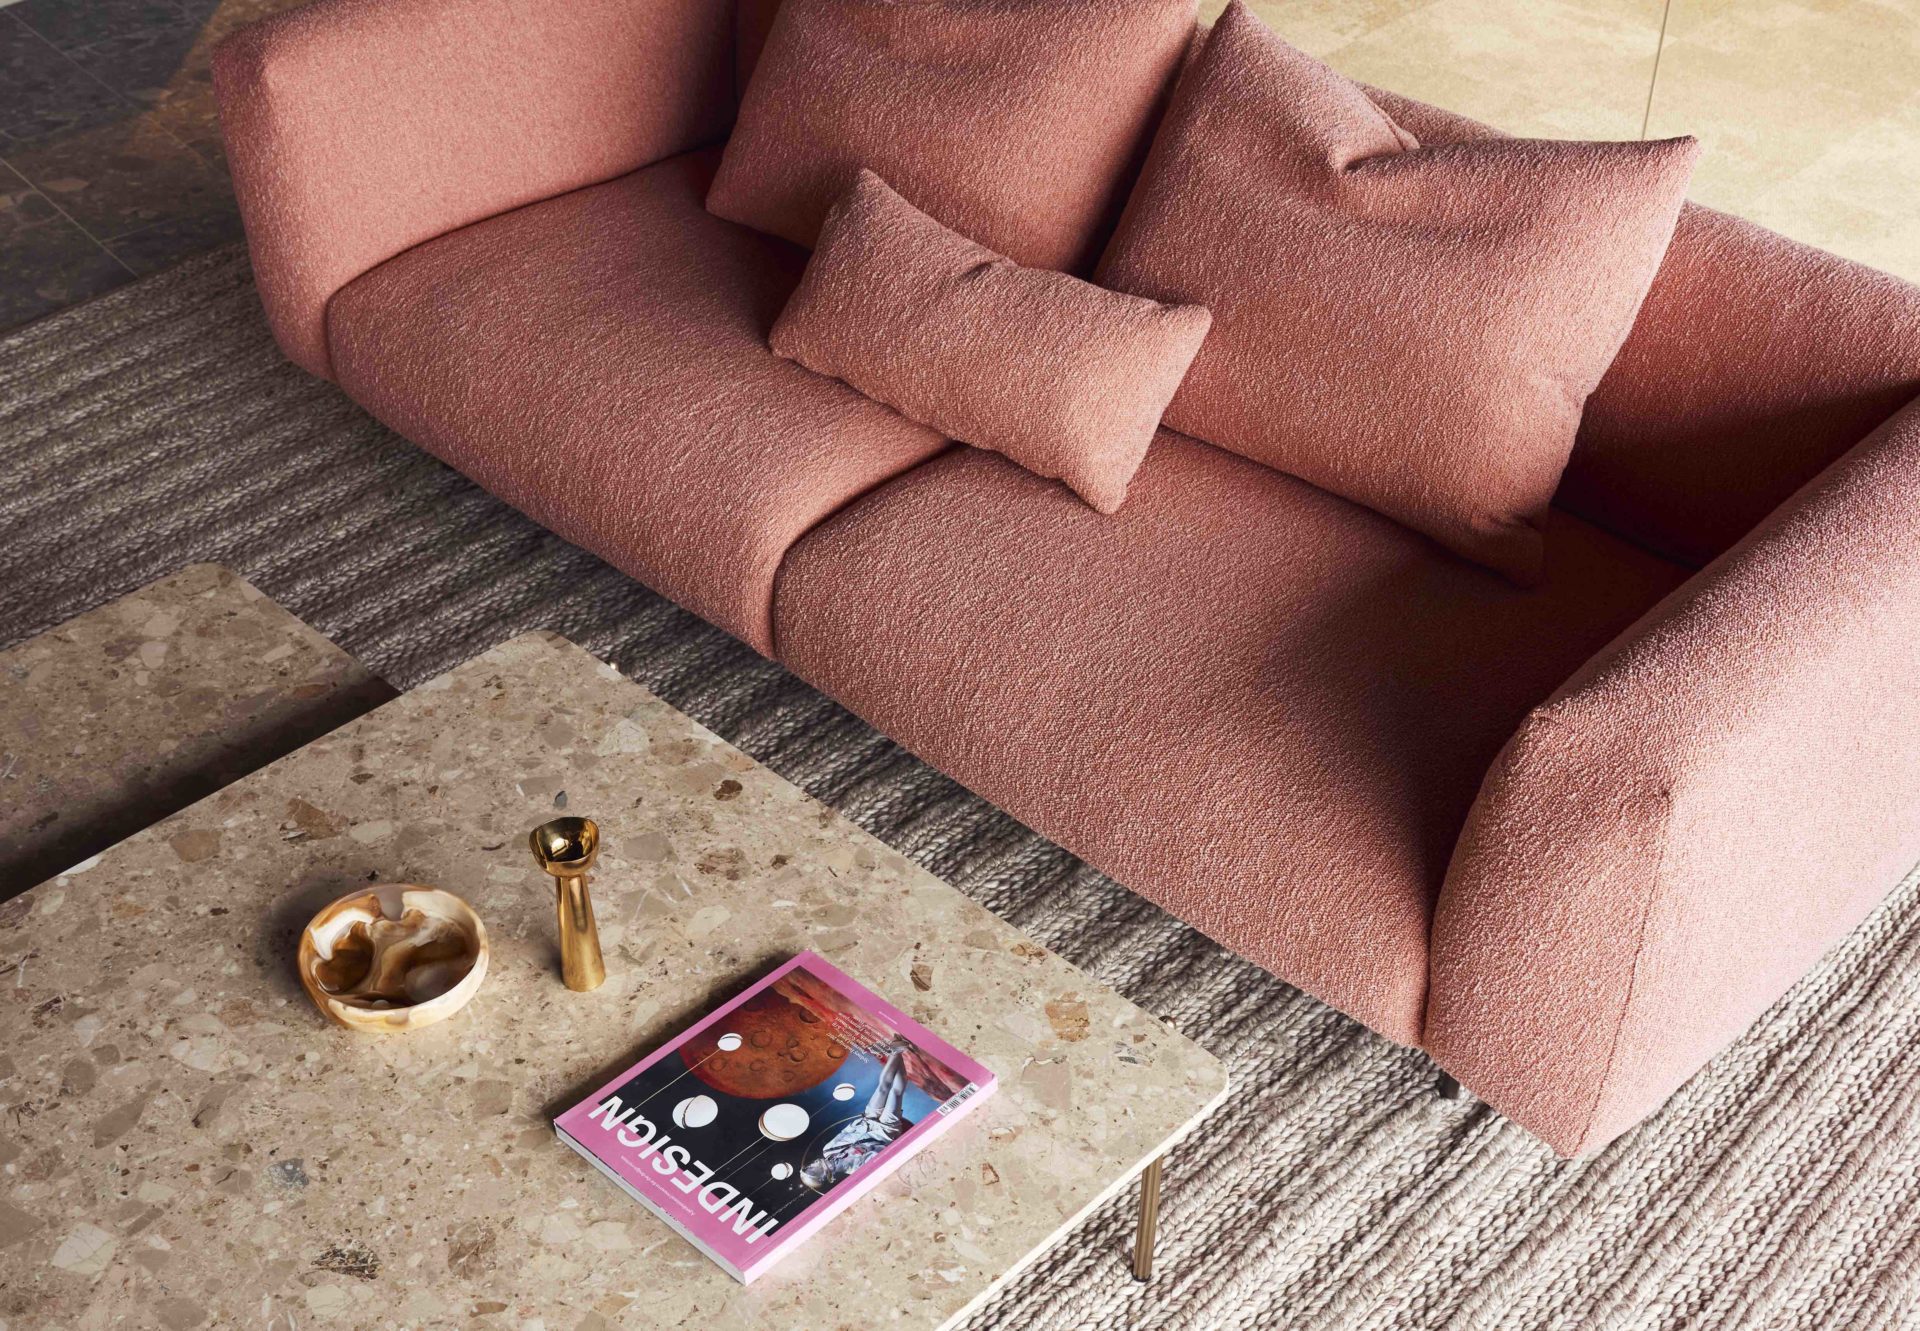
[[116, 179], [49, 262], [226, 15], [153, 248], [107, 107], [194, 119], [70, 24], [144, 66], [43, 94], [185, 105], [170, 69]]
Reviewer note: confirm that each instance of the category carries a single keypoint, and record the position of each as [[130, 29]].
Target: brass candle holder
[[565, 848]]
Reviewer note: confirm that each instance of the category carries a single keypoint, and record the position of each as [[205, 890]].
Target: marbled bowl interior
[[393, 958]]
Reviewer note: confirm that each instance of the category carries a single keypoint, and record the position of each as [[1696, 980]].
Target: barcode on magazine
[[958, 1098]]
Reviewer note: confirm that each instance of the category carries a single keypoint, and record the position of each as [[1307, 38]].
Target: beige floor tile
[[1557, 68], [1809, 111], [1860, 198]]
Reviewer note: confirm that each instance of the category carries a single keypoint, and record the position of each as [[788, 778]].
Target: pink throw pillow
[[1016, 122], [1415, 329], [1064, 378]]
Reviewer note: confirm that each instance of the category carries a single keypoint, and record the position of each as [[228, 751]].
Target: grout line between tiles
[[54, 204], [1653, 81], [140, 109]]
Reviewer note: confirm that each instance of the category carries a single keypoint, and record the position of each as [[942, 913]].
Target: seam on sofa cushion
[[780, 569]]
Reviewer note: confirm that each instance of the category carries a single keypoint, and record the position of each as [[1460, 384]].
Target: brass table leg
[[1149, 1222]]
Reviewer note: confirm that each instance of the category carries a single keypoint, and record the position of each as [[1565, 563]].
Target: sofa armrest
[[1668, 843], [356, 129]]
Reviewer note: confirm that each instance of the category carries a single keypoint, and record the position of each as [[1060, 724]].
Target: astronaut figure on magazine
[[867, 1134]]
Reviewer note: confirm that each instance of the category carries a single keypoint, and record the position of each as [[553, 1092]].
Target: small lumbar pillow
[[1064, 378], [1016, 122], [1414, 329]]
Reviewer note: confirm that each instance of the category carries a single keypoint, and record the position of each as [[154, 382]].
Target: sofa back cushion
[[1414, 329], [1064, 377], [1755, 362], [1018, 123], [359, 128]]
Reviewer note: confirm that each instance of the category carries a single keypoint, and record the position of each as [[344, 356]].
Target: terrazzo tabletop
[[186, 1143], [122, 715]]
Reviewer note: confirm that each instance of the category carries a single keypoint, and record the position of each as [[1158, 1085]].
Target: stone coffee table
[[121, 716], [187, 1144]]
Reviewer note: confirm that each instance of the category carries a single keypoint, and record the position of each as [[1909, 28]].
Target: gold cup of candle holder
[[565, 848]]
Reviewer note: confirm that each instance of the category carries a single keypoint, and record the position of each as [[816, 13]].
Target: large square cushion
[[1259, 705], [599, 360]]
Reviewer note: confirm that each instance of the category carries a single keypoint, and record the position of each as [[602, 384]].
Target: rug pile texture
[[159, 426]]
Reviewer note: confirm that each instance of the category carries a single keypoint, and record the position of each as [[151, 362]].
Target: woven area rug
[[159, 426]]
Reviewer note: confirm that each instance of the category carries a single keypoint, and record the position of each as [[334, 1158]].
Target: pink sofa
[[1570, 841]]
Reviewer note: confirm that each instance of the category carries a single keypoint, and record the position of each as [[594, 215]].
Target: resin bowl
[[393, 958]]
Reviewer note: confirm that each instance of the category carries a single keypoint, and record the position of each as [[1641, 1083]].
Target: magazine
[[772, 1115]]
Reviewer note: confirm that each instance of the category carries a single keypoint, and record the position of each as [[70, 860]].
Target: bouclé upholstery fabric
[[1414, 328], [1065, 378], [356, 129], [1755, 362], [600, 361], [1692, 440], [1263, 706], [1018, 123], [1259, 705], [1699, 813]]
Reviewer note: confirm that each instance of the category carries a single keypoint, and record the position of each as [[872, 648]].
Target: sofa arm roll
[[356, 129], [1669, 842]]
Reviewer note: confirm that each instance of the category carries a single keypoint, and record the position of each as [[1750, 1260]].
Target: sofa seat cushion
[[600, 361], [1261, 706]]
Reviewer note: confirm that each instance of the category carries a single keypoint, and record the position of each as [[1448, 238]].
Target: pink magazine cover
[[772, 1115]]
